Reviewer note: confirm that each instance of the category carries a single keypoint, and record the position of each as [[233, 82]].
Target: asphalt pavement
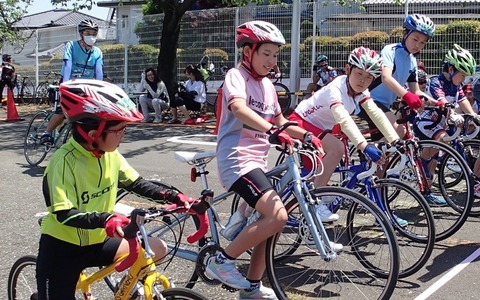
[[147, 148]]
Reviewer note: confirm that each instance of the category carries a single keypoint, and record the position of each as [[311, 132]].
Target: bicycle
[[456, 186], [288, 178], [25, 90], [33, 150], [42, 90], [141, 281]]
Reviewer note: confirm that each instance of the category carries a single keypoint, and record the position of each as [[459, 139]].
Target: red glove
[[183, 200], [281, 138], [412, 100], [115, 221], [284, 138], [441, 103], [308, 137]]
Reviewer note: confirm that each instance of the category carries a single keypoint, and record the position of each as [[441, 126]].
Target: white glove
[[457, 119]]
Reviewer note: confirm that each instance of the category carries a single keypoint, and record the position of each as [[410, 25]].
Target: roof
[[373, 2], [116, 3], [49, 53], [53, 18]]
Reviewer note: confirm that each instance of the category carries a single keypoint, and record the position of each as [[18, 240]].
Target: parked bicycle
[[33, 149], [42, 93], [366, 230], [25, 90], [141, 281]]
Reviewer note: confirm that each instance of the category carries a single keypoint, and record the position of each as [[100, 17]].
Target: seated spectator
[[156, 97], [192, 98], [323, 74]]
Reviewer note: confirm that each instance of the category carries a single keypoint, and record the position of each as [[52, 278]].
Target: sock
[[222, 257], [254, 284], [425, 163]]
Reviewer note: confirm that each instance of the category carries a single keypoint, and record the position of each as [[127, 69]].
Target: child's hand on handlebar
[[113, 225]]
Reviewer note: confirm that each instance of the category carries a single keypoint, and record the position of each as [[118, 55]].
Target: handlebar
[[136, 227]]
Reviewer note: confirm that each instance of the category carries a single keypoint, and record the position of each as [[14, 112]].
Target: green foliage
[[12, 11]]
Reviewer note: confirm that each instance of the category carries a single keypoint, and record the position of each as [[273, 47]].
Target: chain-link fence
[[325, 27]]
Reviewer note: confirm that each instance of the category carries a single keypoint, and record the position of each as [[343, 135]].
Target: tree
[[12, 11]]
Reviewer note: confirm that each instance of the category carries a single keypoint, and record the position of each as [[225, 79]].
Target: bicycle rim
[[416, 239], [284, 100], [34, 152], [168, 229], [182, 294], [22, 283], [364, 233]]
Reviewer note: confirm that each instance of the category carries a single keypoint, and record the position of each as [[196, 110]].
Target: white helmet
[[255, 32], [367, 60]]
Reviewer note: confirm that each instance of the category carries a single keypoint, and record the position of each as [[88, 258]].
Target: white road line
[[186, 139], [442, 281]]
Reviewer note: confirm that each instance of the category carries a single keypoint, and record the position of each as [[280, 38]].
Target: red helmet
[[89, 98], [255, 32]]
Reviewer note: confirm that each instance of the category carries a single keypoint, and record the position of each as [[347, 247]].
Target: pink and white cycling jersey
[[240, 148], [316, 109]]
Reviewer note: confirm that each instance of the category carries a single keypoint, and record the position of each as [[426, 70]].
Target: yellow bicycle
[[141, 281]]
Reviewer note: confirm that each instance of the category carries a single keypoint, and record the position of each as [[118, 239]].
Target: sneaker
[[434, 200], [324, 213], [258, 292], [190, 121], [174, 121], [227, 273], [144, 121], [401, 222], [234, 226], [46, 138], [476, 190], [157, 120]]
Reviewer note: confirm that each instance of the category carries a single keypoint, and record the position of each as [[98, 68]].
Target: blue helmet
[[421, 24]]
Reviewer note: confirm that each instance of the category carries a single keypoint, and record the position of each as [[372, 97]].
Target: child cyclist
[[399, 77], [80, 186], [250, 112], [332, 106], [447, 88]]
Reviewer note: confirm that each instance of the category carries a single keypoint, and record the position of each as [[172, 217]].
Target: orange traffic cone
[[12, 114]]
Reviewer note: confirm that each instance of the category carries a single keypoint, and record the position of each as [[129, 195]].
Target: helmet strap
[[95, 150], [247, 64]]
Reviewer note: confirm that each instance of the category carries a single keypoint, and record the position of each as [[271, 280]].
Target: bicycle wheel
[[22, 283], [284, 97], [455, 186], [182, 294], [66, 132], [369, 248], [174, 232], [413, 222], [41, 93], [33, 151], [470, 153]]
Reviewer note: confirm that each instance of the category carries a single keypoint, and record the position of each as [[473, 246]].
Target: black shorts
[[60, 263], [252, 186], [376, 136], [187, 100]]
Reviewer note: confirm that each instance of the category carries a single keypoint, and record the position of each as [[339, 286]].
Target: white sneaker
[[476, 190], [324, 213]]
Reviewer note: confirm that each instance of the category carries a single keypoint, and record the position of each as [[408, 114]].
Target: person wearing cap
[[8, 75], [250, 112], [81, 59], [80, 187]]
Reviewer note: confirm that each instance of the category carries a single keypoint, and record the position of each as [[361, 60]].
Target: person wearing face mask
[[81, 59]]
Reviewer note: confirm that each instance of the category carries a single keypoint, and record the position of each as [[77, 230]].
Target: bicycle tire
[[22, 283], [417, 239], [470, 153], [41, 93], [66, 131], [306, 273], [179, 293], [168, 232], [284, 100], [33, 151], [459, 197]]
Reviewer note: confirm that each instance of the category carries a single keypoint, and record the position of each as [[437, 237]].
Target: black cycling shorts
[[252, 186], [60, 263]]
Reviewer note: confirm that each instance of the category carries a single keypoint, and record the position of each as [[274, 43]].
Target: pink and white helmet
[[367, 60], [255, 32]]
